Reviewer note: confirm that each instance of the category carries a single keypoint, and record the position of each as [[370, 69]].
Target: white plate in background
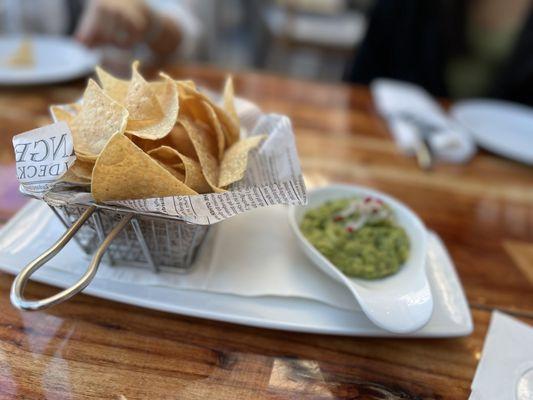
[[451, 316], [501, 127], [57, 59]]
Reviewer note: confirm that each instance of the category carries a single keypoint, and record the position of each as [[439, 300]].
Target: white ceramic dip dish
[[399, 303]]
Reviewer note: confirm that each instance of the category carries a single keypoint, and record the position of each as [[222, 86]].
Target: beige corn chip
[[229, 99], [23, 56], [166, 155], [178, 174], [146, 144], [177, 139], [140, 101], [187, 82], [202, 111], [158, 85], [215, 124], [82, 169], [159, 128], [193, 171], [201, 142], [71, 177], [75, 108], [123, 171], [154, 139], [114, 87], [231, 127], [194, 177], [61, 114], [100, 118], [85, 157], [179, 166], [208, 138], [235, 160]]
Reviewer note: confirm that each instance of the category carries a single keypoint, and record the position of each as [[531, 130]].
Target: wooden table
[[92, 348]]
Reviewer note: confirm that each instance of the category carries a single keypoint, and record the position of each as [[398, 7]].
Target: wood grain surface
[[96, 349]]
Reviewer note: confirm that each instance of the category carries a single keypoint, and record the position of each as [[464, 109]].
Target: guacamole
[[358, 235]]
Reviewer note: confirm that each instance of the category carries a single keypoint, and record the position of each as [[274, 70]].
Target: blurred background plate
[[57, 59], [501, 127]]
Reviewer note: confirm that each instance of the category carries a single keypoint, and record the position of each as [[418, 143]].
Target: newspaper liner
[[273, 174], [42, 156]]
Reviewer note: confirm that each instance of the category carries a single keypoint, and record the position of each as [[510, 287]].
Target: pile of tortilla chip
[[23, 56], [141, 139]]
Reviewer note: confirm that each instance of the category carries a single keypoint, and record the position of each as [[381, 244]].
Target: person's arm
[[163, 35], [185, 15], [163, 25]]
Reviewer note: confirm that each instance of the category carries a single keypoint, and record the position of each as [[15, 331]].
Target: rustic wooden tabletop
[[92, 348]]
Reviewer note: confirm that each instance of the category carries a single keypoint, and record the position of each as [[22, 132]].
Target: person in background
[[453, 48], [152, 30]]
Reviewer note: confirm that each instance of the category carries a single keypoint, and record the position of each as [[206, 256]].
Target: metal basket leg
[[19, 284]]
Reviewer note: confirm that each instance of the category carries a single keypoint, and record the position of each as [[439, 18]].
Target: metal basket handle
[[19, 284]]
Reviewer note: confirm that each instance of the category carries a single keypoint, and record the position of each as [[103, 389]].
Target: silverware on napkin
[[424, 154]]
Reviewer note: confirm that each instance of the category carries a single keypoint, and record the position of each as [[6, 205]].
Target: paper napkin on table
[[253, 255], [408, 108], [507, 355]]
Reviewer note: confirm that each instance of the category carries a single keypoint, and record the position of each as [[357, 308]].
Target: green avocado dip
[[358, 235]]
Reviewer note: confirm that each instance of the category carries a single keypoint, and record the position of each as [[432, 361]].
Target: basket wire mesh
[[156, 243]]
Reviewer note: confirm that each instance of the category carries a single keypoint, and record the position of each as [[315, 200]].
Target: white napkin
[[406, 106], [507, 355], [252, 254]]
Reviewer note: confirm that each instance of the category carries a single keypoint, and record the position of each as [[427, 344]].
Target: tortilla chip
[[60, 114], [159, 128], [166, 155], [235, 159], [179, 139], [115, 88], [178, 174], [123, 171], [82, 169], [208, 162], [187, 82], [194, 177], [70, 177], [202, 111], [23, 56], [217, 127], [154, 138], [145, 144], [100, 118], [141, 102], [230, 127], [179, 167], [193, 171], [229, 99], [86, 157], [193, 107]]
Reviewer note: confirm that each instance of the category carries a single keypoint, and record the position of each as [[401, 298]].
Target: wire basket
[[145, 240], [157, 243]]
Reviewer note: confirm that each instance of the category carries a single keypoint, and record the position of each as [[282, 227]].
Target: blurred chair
[[310, 38], [229, 41]]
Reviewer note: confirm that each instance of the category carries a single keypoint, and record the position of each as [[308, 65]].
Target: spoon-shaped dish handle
[[397, 311]]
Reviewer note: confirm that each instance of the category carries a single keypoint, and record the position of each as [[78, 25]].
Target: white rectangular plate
[[451, 316]]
